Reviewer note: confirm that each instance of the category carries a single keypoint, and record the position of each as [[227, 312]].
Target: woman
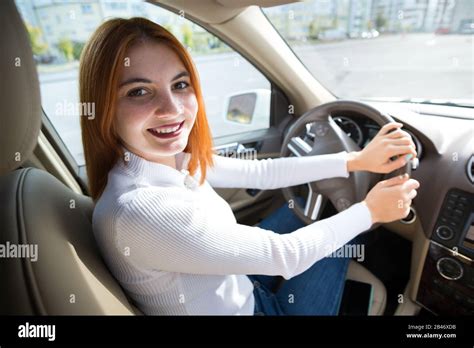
[[172, 243]]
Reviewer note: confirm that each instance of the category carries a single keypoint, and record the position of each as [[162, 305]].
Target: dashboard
[[442, 230], [444, 204]]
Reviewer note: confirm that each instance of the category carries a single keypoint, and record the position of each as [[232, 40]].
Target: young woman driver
[[172, 243]]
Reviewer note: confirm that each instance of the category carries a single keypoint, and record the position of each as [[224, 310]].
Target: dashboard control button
[[450, 268], [444, 232]]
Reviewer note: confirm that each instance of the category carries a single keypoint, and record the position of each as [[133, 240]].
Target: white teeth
[[167, 130]]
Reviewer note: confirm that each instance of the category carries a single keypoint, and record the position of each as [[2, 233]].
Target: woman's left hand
[[387, 144]]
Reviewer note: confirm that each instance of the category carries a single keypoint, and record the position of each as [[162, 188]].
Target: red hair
[[102, 59]]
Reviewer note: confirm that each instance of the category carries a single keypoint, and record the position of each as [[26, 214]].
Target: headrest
[[20, 102]]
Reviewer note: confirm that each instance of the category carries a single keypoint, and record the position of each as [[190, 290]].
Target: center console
[[447, 281]]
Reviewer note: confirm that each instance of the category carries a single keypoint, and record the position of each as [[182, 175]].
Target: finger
[[400, 141], [390, 127], [411, 184], [401, 150], [396, 180], [412, 194], [399, 133]]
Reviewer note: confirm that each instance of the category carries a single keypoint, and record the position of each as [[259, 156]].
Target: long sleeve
[[174, 230], [275, 173]]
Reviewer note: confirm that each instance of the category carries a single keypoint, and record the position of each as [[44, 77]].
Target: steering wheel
[[328, 138]]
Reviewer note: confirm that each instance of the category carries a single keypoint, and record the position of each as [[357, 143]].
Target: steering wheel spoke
[[299, 147], [314, 203]]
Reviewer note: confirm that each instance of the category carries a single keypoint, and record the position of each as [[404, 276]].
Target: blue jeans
[[317, 291]]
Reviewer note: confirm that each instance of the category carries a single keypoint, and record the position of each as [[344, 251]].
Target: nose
[[168, 105]]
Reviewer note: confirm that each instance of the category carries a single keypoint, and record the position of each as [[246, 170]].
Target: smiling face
[[156, 104]]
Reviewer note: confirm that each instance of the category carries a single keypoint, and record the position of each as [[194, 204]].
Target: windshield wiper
[[446, 102], [465, 103]]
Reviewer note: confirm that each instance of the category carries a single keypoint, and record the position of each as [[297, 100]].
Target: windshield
[[384, 49]]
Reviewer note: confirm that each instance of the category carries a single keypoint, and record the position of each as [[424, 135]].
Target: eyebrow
[[144, 80]]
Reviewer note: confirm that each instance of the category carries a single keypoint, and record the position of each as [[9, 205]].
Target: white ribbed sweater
[[176, 248]]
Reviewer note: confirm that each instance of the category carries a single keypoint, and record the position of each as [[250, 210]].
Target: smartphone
[[356, 298]]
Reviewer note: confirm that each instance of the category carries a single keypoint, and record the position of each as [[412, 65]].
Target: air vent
[[470, 169]]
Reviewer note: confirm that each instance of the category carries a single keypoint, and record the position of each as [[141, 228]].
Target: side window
[[237, 96]]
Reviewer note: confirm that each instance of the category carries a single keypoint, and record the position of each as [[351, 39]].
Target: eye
[[137, 92], [181, 85]]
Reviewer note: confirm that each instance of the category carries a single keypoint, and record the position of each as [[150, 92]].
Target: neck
[[165, 160]]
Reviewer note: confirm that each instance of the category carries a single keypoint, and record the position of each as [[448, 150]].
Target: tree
[[314, 29], [77, 49], [66, 47], [380, 21], [187, 35], [37, 45]]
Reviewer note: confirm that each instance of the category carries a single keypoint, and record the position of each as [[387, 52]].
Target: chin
[[172, 150]]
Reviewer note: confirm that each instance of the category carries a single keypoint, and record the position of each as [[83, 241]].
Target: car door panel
[[248, 204]]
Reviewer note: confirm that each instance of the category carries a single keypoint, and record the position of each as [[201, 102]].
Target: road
[[415, 65]]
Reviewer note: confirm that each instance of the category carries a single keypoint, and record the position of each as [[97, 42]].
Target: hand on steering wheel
[[389, 150], [327, 138], [390, 199]]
